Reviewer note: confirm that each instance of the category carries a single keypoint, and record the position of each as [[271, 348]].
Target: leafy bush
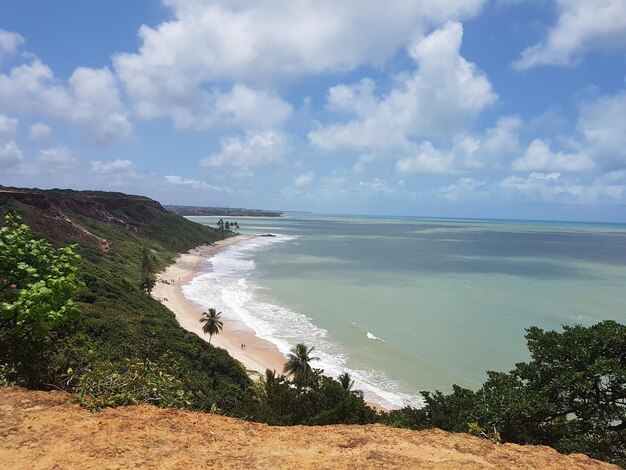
[[38, 281], [130, 382], [570, 396], [7, 373], [37, 286], [325, 401]]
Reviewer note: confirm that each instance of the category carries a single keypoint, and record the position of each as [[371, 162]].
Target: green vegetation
[[130, 382], [148, 271], [38, 281], [125, 347], [221, 211], [322, 400], [37, 286], [226, 227], [121, 324], [298, 366], [212, 323], [570, 396]]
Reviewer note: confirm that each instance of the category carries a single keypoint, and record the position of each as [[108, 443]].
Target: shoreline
[[258, 355]]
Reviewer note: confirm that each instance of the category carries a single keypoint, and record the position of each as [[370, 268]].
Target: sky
[[509, 109]]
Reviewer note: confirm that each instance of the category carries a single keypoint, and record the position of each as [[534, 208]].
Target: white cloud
[[468, 152], [56, 156], [90, 100], [9, 42], [191, 107], [377, 186], [600, 142], [273, 39], [39, 131], [177, 180], [582, 25], [8, 127], [443, 96], [116, 166], [97, 106], [499, 141], [539, 157], [602, 122], [427, 160], [550, 188], [537, 187], [256, 149], [10, 153], [463, 190], [182, 62], [252, 109], [304, 179]]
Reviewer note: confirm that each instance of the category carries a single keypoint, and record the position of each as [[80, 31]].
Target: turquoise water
[[410, 304]]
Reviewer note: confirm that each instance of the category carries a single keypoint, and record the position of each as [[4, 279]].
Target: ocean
[[408, 304]]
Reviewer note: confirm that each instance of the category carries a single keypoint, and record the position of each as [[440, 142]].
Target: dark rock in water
[[267, 235]]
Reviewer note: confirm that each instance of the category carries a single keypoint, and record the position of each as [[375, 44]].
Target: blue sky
[[470, 108]]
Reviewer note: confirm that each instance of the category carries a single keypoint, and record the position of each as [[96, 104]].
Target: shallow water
[[409, 304]]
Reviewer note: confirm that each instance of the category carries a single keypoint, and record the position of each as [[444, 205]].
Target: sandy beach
[[258, 354]]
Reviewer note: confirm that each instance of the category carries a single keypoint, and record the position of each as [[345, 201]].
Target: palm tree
[[346, 381], [212, 323], [298, 366]]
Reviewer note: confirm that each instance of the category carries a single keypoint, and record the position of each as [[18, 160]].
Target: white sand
[[258, 355]]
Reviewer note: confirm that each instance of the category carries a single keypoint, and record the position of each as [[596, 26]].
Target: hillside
[[89, 216], [49, 430], [119, 320], [222, 211]]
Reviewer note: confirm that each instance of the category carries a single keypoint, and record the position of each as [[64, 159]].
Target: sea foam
[[229, 286]]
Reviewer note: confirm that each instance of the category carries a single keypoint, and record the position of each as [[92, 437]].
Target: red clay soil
[[46, 430]]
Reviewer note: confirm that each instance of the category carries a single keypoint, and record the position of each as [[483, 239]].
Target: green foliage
[[6, 372], [119, 320], [570, 396], [212, 323], [148, 271], [298, 366], [37, 286], [475, 430], [323, 401], [37, 281], [130, 382]]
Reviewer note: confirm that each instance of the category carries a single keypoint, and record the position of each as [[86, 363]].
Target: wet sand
[[258, 354]]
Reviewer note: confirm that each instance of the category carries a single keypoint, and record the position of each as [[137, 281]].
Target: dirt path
[[45, 430]]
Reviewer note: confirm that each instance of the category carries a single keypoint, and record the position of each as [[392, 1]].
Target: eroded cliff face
[[54, 213], [50, 430]]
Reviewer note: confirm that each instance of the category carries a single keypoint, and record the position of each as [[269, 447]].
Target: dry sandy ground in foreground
[[49, 430]]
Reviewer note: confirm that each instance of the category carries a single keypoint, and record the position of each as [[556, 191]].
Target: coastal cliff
[[78, 217], [50, 430]]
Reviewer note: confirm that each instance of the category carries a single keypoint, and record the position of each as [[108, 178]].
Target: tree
[[298, 366], [148, 270], [212, 323], [346, 381], [37, 286], [570, 396], [220, 225], [227, 226], [37, 281]]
